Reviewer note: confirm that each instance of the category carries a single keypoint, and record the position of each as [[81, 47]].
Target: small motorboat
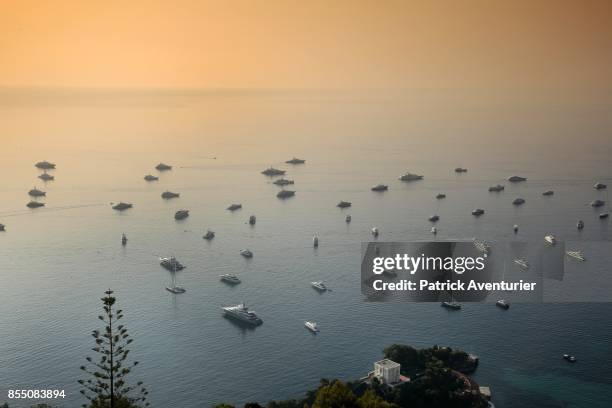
[[166, 195], [604, 215], [597, 203], [478, 212], [516, 179], [150, 177], [375, 232], [348, 219], [319, 285], [440, 196], [548, 193], [36, 193], [315, 241], [312, 326], [497, 188], [35, 204], [234, 207], [343, 204], [451, 305], [515, 228], [295, 160], [124, 240], [569, 358], [380, 187], [285, 194], [503, 304], [460, 170], [599, 186], [229, 278], [283, 182], [163, 167], [271, 171], [46, 176], [181, 214], [434, 218], [580, 224], [2, 227], [550, 239], [576, 255], [122, 206], [209, 235], [434, 230], [411, 177], [45, 165], [252, 220], [518, 201], [246, 253]]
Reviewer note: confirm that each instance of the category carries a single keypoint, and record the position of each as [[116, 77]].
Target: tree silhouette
[[106, 386]]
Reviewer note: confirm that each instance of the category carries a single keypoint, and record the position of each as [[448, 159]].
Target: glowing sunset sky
[[306, 44]]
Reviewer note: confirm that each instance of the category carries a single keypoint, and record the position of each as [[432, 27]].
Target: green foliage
[[106, 385], [335, 395], [224, 406], [370, 400]]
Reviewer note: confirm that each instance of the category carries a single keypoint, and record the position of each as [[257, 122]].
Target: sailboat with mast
[[174, 288]]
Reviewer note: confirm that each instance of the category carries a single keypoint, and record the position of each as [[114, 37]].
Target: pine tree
[[106, 386]]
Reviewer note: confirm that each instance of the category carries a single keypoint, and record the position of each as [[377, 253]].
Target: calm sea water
[[57, 261]]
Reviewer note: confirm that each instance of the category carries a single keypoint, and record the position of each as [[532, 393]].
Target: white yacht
[[229, 278], [246, 253], [550, 239], [522, 263], [171, 264], [576, 255], [242, 313], [312, 326], [319, 285]]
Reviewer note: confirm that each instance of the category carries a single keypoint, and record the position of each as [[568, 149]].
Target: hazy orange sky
[[306, 44]]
